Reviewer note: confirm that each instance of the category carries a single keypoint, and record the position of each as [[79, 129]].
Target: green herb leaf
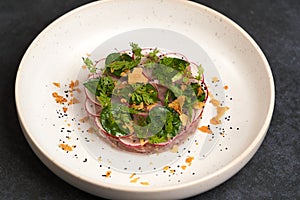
[[102, 88], [200, 96], [175, 63], [90, 65], [112, 58], [171, 128], [92, 85], [137, 51], [158, 138], [145, 93], [117, 63], [113, 118], [200, 72]]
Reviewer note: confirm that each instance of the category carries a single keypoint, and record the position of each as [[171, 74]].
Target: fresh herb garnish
[[199, 91], [176, 63], [170, 129], [200, 72], [151, 109], [144, 93], [90, 65], [117, 63], [102, 88], [137, 51], [116, 120]]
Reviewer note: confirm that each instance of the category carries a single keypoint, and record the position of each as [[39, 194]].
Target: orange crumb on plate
[[189, 160], [56, 84], [134, 180], [144, 183], [205, 129], [132, 175], [215, 102], [166, 168], [59, 99], [65, 147], [225, 87], [73, 84], [108, 173], [65, 109], [183, 167], [220, 112]]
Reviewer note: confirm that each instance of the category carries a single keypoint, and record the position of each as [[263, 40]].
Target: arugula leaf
[[90, 65]]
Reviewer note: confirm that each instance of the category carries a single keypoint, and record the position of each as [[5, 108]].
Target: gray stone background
[[273, 173]]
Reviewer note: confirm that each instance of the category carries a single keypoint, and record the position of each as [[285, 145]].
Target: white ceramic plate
[[206, 37]]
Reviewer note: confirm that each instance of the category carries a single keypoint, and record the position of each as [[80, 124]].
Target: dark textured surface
[[272, 173]]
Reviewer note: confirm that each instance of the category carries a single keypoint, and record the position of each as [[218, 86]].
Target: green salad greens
[[145, 94]]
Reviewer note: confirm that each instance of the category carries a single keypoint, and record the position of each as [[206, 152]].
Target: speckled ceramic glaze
[[236, 72]]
